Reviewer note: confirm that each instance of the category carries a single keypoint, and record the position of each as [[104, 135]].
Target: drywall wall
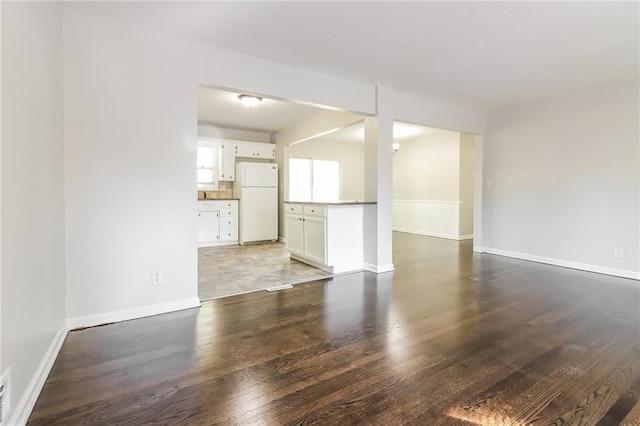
[[562, 180], [467, 178], [33, 224], [211, 131], [427, 168], [439, 114]]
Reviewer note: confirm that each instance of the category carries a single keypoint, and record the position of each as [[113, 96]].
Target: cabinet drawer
[[229, 233], [315, 211], [293, 208], [228, 213], [209, 205], [229, 222], [232, 204]]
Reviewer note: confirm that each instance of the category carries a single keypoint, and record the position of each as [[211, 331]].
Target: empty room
[[486, 273]]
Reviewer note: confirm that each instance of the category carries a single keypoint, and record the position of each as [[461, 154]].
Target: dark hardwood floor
[[450, 337]]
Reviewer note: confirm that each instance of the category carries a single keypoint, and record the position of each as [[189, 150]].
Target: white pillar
[[378, 176]]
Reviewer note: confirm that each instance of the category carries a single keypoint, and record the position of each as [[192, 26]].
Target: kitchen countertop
[[337, 203]]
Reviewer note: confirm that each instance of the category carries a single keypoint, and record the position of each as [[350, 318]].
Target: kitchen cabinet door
[[265, 151], [295, 234], [315, 234], [208, 227], [227, 162]]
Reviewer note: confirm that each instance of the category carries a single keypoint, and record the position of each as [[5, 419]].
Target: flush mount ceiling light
[[249, 101]]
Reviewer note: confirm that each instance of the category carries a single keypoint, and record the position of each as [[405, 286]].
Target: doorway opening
[[433, 182]]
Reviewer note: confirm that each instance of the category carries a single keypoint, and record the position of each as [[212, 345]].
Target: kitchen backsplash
[[216, 195]]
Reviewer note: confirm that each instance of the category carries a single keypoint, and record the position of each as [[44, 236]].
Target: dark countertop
[[338, 203]]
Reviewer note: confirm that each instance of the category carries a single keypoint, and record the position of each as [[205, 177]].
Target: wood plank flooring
[[449, 338]]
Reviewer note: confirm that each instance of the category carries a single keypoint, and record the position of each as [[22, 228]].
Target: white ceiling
[[223, 109], [486, 54]]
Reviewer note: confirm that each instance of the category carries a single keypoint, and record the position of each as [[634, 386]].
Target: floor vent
[[4, 395], [1, 403], [280, 287]]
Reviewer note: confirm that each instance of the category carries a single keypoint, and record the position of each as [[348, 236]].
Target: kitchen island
[[329, 236]]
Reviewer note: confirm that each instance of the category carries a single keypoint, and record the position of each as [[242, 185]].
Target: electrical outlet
[[618, 252], [156, 277]]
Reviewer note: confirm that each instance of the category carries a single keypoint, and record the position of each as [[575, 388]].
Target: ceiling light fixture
[[250, 101]]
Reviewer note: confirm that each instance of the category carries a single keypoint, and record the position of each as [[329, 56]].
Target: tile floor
[[227, 270]]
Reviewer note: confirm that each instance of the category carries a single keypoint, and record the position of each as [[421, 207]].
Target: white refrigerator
[[256, 187]]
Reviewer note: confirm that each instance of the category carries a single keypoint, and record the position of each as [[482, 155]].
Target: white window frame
[[311, 160], [214, 146]]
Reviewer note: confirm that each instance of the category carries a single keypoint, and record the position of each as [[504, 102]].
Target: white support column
[[378, 176]]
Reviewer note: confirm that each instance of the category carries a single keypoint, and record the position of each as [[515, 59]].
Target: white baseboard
[[28, 401], [347, 269], [434, 234], [379, 269], [128, 314], [623, 273]]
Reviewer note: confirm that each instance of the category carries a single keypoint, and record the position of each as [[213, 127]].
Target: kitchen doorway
[[240, 248]]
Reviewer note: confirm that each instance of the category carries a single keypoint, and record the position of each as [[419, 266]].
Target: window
[[206, 171], [314, 180]]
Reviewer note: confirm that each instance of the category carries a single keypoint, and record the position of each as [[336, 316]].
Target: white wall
[[212, 131], [130, 123], [427, 168], [562, 180], [33, 275], [467, 178], [438, 114]]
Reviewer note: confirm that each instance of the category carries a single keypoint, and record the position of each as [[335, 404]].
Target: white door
[[315, 239], [295, 234], [258, 214]]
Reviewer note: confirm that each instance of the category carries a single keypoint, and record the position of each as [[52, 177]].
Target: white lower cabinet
[[315, 243], [295, 234], [208, 227], [217, 222], [330, 237]]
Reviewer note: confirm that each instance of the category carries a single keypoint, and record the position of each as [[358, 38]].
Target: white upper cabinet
[[227, 151], [227, 161], [265, 151]]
